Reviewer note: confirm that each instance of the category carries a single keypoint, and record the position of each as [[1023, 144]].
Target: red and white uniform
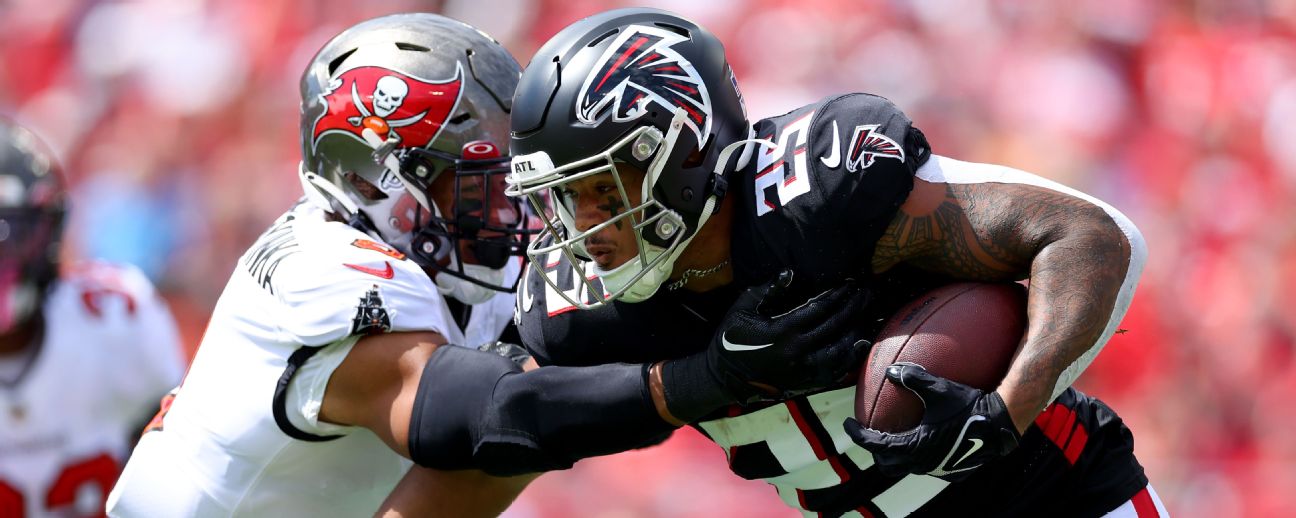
[[307, 282], [72, 406]]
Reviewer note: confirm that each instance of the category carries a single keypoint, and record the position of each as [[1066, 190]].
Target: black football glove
[[962, 428], [761, 350]]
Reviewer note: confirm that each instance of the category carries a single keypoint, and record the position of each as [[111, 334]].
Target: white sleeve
[[947, 170], [326, 297], [305, 394]]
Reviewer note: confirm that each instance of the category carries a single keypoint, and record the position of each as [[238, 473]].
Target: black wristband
[[690, 389]]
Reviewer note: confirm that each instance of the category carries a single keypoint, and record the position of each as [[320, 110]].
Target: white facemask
[[643, 287], [467, 292]]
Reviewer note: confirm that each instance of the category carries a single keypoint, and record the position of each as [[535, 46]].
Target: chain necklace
[[692, 273]]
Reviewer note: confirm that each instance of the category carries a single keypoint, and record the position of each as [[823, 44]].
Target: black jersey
[[820, 199], [817, 204]]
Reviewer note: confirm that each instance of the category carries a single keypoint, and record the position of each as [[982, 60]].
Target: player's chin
[[607, 261], [611, 258]]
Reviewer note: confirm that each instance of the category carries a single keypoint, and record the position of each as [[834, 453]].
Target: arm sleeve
[[478, 410]]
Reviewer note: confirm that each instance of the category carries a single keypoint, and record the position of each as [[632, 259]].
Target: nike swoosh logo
[[946, 467], [730, 346], [976, 445], [386, 274], [834, 159]]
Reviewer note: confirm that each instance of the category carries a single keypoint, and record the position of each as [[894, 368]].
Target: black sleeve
[[479, 410]]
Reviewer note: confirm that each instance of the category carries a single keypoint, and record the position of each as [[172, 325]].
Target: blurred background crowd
[[177, 123]]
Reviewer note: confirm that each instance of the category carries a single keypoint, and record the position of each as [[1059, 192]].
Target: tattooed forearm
[[1073, 253], [1073, 288]]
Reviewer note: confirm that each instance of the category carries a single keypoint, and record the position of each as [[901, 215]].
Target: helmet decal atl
[[866, 144], [640, 67], [375, 103]]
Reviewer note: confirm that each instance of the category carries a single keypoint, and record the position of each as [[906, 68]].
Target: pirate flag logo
[[375, 105]]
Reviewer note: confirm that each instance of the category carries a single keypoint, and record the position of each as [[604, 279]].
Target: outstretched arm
[[1082, 260], [467, 493], [456, 408]]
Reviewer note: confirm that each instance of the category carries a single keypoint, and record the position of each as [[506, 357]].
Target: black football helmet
[[391, 105], [33, 197], [640, 86]]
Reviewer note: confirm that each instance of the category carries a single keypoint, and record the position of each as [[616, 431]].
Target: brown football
[[966, 332]]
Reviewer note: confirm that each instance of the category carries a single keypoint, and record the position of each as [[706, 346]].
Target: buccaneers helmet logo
[[866, 144], [374, 104], [640, 67]]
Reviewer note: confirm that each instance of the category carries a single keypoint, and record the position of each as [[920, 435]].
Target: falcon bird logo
[[866, 144], [639, 68]]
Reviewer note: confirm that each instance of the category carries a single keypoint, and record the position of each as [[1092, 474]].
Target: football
[[966, 332]]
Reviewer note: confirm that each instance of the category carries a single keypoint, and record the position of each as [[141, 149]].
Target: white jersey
[[68, 418], [306, 282]]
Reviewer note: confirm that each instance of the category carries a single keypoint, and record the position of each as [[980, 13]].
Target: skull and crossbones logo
[[388, 96]]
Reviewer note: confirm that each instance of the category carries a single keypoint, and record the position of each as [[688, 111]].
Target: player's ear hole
[[370, 191], [697, 156]]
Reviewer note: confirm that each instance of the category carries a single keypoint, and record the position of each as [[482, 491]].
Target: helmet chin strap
[[747, 151], [323, 194], [383, 155]]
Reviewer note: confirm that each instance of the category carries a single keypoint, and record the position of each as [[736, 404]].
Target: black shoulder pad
[[819, 201]]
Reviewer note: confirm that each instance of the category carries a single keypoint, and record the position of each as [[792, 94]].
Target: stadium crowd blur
[[177, 121]]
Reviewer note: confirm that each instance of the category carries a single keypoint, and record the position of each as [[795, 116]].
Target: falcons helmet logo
[[866, 144], [640, 67]]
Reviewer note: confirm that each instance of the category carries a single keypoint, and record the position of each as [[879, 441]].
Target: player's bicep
[[375, 385], [974, 231]]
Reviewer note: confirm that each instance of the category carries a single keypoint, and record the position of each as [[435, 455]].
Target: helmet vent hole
[[410, 46], [674, 28], [461, 118], [337, 62], [370, 191], [697, 157], [602, 37]]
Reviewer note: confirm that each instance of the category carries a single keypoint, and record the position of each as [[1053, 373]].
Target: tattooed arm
[[1075, 253]]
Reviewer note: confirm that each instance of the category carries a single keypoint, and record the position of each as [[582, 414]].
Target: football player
[[84, 354], [629, 130], [330, 363]]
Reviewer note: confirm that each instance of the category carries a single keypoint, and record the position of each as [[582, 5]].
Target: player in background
[[332, 359], [85, 353], [665, 200]]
